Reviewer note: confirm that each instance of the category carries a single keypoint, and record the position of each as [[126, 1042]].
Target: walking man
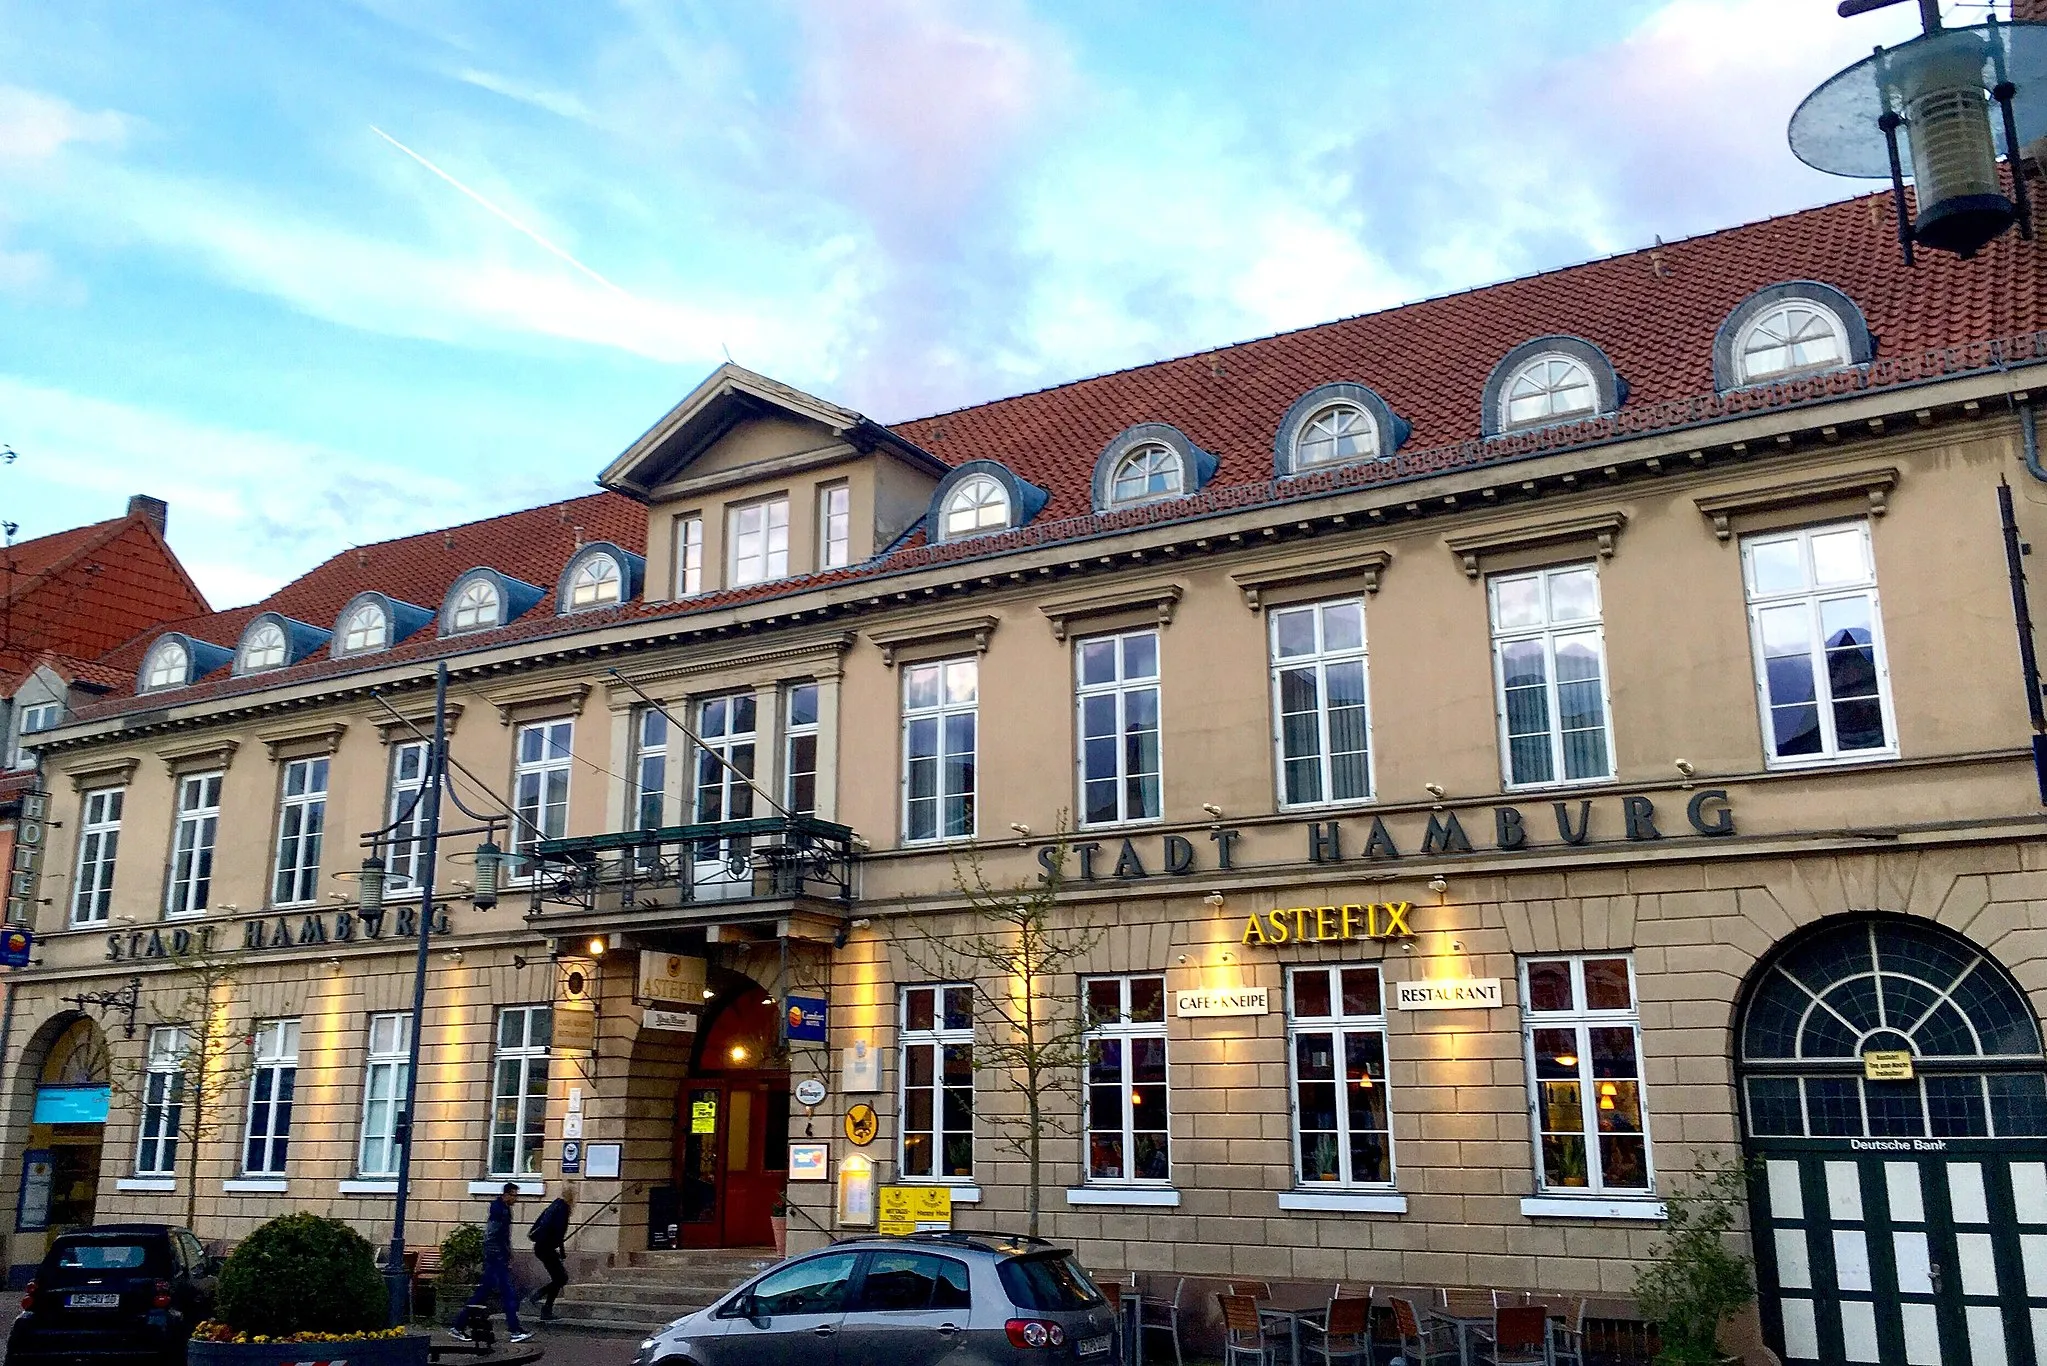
[[497, 1270], [549, 1232]]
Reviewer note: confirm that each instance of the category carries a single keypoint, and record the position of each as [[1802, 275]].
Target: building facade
[[1488, 762]]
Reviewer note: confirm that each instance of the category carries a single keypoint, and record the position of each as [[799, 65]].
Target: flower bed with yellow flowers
[[210, 1331]]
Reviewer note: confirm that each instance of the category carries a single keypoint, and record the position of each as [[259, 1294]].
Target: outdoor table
[[1293, 1319], [1464, 1324]]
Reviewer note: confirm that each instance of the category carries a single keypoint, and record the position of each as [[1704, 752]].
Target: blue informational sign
[[32, 1206], [572, 1157], [806, 1019], [16, 944], [71, 1105]]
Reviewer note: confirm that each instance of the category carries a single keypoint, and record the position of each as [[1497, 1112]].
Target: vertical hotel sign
[[25, 873]]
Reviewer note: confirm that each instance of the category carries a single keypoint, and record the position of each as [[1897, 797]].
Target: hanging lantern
[[1946, 104], [489, 861], [370, 879]]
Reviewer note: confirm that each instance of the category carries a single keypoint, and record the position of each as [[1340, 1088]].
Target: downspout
[[2029, 434], [2022, 617]]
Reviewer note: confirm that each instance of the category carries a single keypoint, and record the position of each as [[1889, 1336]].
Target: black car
[[117, 1293]]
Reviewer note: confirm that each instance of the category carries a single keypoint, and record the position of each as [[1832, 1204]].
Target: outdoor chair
[[1345, 1333], [1519, 1337], [1424, 1339], [1244, 1332], [1157, 1314], [1257, 1290], [1567, 1332]]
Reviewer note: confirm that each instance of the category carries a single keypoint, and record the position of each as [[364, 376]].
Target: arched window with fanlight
[[1549, 388], [1795, 337], [595, 583], [366, 628], [169, 665], [978, 503], [265, 647], [1151, 470], [476, 606], [1337, 435]]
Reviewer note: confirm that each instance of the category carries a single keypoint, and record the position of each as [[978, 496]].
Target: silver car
[[961, 1299]]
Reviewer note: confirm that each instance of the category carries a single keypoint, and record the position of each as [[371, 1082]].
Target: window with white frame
[[264, 649], [273, 1079], [1318, 696], [540, 785], [1337, 435], [689, 555], [1152, 470], [1817, 634], [596, 583], [941, 726], [1584, 1056], [1790, 338], [518, 1107], [1549, 661], [476, 606], [728, 727], [198, 827], [407, 850], [650, 770], [1548, 388], [383, 1093], [168, 665], [799, 749], [938, 1083], [163, 1103], [977, 503], [39, 716], [834, 527], [99, 841], [1336, 1025], [366, 629], [759, 539], [301, 828], [1126, 1104], [1117, 694]]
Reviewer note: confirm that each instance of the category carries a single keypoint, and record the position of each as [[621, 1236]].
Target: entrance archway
[[65, 1091], [732, 1124], [1894, 1096]]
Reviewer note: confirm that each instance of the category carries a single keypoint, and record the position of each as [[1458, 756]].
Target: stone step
[[681, 1299], [615, 1316], [666, 1275]]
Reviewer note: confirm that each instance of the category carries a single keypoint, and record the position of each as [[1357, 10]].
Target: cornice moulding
[[977, 628], [401, 727], [215, 753], [1599, 527], [1873, 485], [1366, 565], [566, 695], [328, 733], [107, 773], [1162, 598]]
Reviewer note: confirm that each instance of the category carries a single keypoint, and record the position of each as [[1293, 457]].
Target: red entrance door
[[732, 1157]]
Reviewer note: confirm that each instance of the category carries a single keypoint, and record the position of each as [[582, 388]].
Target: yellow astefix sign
[[914, 1209], [1885, 1064], [1330, 924]]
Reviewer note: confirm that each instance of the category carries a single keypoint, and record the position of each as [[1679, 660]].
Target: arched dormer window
[[1148, 463], [977, 504], [1547, 381], [981, 498], [366, 627], [598, 575], [1801, 327], [1334, 425], [169, 666], [264, 647], [476, 606]]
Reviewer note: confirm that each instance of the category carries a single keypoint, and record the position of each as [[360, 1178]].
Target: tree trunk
[[1037, 1133], [192, 1186]]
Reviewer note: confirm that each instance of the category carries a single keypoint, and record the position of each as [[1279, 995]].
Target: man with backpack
[[497, 1270], [549, 1232]]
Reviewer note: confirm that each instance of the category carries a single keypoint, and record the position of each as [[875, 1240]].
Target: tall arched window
[[595, 583], [1790, 338], [1548, 388], [365, 629], [978, 504], [264, 648], [1337, 435], [476, 606], [1149, 471], [169, 663]]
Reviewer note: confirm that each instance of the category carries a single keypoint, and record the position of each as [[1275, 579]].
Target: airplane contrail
[[499, 213]]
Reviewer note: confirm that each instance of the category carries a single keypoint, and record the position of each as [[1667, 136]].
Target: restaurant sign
[[1330, 924], [1451, 993], [1207, 1004]]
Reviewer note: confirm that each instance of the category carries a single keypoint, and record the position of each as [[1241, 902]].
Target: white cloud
[[35, 126]]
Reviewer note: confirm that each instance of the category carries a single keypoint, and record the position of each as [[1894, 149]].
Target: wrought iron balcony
[[675, 866]]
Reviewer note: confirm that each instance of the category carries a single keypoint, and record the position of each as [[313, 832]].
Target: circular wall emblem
[[810, 1091], [861, 1125]]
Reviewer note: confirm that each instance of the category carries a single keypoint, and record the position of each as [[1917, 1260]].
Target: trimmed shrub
[[301, 1273]]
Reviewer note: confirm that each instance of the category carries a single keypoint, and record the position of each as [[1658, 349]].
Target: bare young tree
[[1020, 952], [195, 1059]]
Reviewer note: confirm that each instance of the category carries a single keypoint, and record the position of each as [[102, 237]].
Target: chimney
[[154, 511]]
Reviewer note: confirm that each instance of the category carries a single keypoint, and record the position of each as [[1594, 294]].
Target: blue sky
[[221, 283]]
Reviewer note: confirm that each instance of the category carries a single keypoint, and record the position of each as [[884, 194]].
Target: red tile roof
[[1654, 312], [82, 592]]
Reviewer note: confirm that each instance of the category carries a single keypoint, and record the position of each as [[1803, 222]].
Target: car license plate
[[92, 1301], [1091, 1347]]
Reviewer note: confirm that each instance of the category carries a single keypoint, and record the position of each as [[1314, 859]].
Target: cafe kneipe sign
[[1380, 920]]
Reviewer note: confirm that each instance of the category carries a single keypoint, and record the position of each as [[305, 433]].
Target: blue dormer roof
[[300, 639], [515, 598], [1026, 500], [632, 574], [1197, 466], [401, 619], [202, 657]]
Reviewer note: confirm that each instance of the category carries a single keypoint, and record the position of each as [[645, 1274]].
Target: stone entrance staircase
[[650, 1289]]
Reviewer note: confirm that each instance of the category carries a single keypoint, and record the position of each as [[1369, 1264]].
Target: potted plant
[[778, 1220], [461, 1269], [1694, 1279], [300, 1280]]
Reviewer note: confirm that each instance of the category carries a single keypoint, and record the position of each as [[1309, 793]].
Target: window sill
[[1588, 1207], [492, 1187], [368, 1187], [1156, 1197], [1344, 1202], [255, 1185], [1845, 759], [161, 1185]]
